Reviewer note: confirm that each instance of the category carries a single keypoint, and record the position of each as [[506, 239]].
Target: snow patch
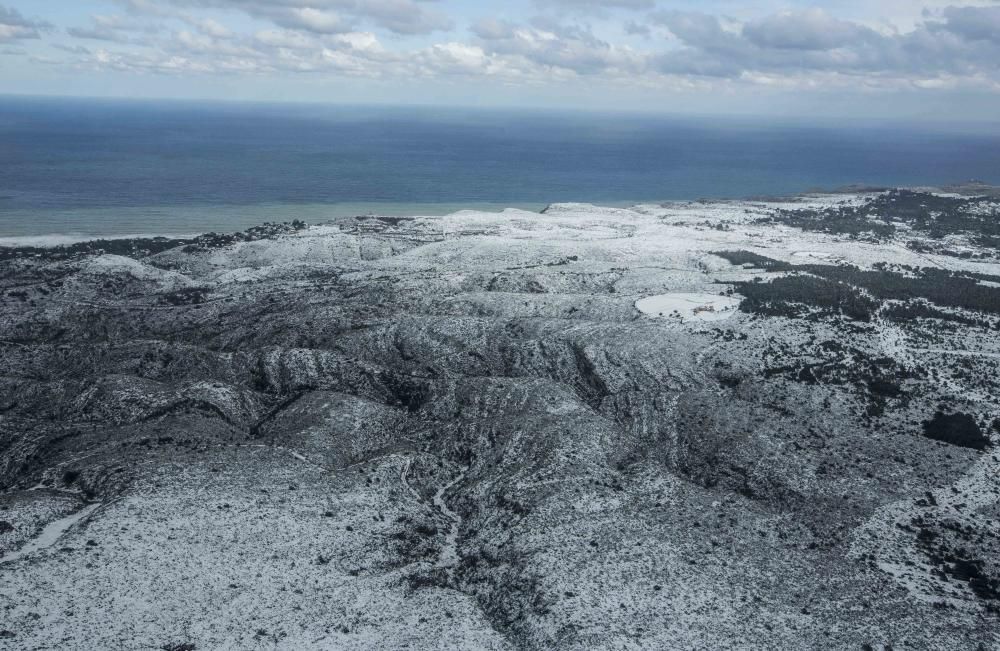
[[117, 265], [50, 534], [690, 306]]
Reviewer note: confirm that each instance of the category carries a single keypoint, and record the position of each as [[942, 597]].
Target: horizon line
[[798, 119]]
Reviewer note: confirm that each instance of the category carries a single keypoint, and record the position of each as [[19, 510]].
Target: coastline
[[30, 228], [69, 226]]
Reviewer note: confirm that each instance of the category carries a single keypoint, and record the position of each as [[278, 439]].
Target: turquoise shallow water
[[85, 168]]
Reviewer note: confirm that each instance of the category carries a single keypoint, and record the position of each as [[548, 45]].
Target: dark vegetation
[[855, 221], [936, 285], [391, 221], [876, 380], [814, 290], [744, 258], [142, 247], [186, 296], [956, 429], [805, 296], [938, 248], [959, 552], [935, 216], [913, 310]]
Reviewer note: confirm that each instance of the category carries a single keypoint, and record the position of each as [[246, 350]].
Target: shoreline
[[203, 220], [81, 225]]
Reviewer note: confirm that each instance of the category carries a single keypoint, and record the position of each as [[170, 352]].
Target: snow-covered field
[[689, 307]]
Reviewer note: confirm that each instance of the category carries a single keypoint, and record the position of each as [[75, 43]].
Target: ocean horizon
[[75, 169]]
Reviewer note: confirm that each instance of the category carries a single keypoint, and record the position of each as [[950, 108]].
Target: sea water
[[76, 168]]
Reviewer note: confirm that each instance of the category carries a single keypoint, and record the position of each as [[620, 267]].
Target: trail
[[50, 535], [962, 352], [404, 472], [449, 556]]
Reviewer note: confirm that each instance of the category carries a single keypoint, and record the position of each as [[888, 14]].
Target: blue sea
[[92, 167]]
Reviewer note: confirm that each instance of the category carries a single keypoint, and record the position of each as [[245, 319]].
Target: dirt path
[[449, 557]]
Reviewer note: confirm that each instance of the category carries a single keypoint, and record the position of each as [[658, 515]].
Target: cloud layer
[[630, 42]]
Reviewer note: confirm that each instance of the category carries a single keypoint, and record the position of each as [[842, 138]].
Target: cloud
[[401, 16], [550, 44], [14, 26], [811, 29], [72, 49], [308, 19], [973, 23], [284, 39], [457, 58], [795, 45], [114, 29], [209, 26], [634, 28], [405, 17], [207, 50], [696, 29], [591, 5], [388, 39], [492, 29]]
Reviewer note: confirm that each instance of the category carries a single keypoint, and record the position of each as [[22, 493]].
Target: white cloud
[[810, 29], [809, 49], [549, 44], [592, 5], [796, 44], [14, 26], [311, 20], [322, 16]]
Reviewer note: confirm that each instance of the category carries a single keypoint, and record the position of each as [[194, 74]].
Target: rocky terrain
[[704, 425]]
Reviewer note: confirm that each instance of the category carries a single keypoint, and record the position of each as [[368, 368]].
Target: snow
[[228, 536], [117, 265], [449, 556], [690, 306], [884, 535], [50, 534], [296, 532], [819, 255]]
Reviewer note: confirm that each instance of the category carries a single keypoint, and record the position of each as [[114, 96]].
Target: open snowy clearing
[[690, 306]]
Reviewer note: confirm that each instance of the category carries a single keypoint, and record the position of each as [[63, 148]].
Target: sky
[[841, 59]]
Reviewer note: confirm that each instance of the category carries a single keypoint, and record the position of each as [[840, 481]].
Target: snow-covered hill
[[703, 425]]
